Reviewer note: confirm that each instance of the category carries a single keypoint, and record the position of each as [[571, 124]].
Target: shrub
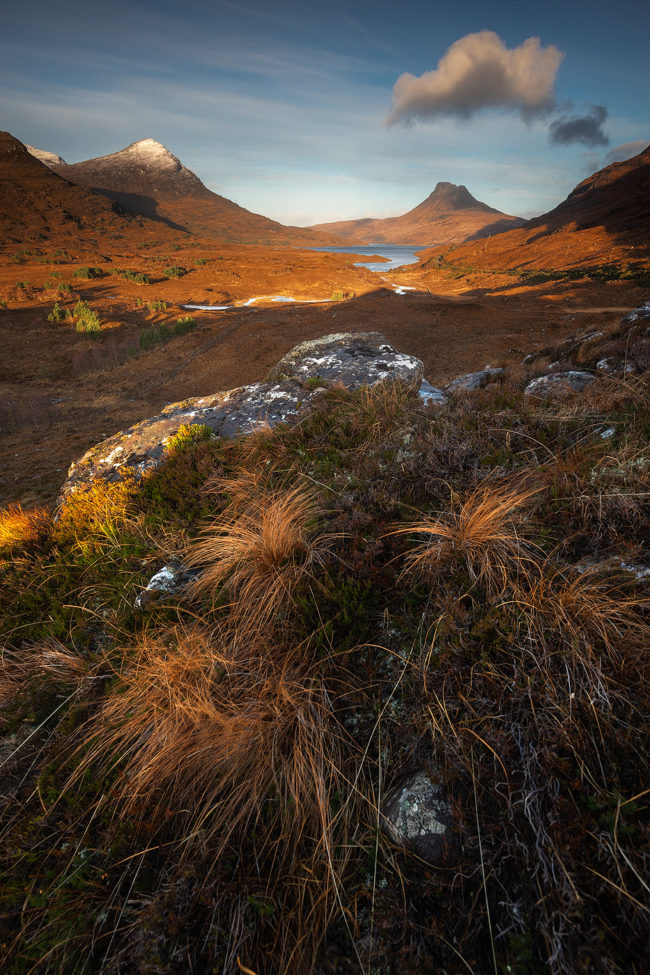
[[86, 320], [64, 288], [157, 305], [175, 271], [184, 324], [58, 314], [153, 336], [134, 277], [200, 261], [88, 273]]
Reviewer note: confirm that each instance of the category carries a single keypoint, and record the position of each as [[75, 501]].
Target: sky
[[307, 111]]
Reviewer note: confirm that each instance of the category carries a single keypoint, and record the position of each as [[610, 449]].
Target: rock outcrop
[[558, 384], [352, 359]]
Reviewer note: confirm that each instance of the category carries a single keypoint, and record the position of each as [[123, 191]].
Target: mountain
[[605, 219], [448, 215], [36, 204], [147, 179]]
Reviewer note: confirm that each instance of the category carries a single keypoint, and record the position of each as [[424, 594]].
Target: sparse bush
[[153, 336], [64, 288], [134, 277], [88, 273], [20, 528], [86, 320], [175, 271], [157, 305], [184, 324], [58, 314]]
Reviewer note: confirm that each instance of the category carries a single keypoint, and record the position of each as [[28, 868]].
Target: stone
[[418, 816], [431, 394], [168, 581], [558, 384], [474, 380], [614, 367], [352, 358]]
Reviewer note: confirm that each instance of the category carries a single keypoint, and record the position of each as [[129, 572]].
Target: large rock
[[418, 817], [558, 384], [474, 380], [353, 359]]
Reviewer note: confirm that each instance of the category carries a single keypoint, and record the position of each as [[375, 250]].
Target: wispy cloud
[[626, 150], [477, 72]]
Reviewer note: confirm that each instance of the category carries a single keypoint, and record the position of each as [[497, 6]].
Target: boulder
[[614, 367], [431, 394], [474, 380], [418, 816], [353, 359], [558, 384]]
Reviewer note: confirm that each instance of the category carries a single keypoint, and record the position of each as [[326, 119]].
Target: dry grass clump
[[20, 528], [258, 549], [51, 660], [230, 751], [482, 530]]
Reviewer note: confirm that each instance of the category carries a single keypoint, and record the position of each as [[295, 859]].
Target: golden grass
[[20, 528], [96, 514], [259, 548], [482, 530]]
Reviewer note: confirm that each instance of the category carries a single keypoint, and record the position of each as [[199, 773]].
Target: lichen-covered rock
[[558, 384], [474, 380], [171, 579], [614, 367], [418, 816], [352, 358], [431, 394]]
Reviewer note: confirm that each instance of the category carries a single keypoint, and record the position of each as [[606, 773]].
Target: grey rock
[[614, 367], [431, 394], [418, 816], [352, 358], [474, 380], [639, 316], [168, 581], [558, 384]]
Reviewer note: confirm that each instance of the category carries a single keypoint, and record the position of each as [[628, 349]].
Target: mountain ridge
[[450, 214], [146, 179]]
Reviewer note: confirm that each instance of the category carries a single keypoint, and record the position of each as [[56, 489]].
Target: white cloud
[[479, 71]]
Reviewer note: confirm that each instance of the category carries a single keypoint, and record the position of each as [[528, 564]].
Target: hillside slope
[[36, 205]]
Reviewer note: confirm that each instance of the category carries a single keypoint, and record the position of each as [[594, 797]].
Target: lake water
[[397, 254]]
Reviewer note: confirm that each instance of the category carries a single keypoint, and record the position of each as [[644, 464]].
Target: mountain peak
[[453, 197], [49, 158]]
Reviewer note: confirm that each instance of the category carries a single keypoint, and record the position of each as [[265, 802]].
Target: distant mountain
[[38, 205], [449, 215], [147, 179], [605, 219]]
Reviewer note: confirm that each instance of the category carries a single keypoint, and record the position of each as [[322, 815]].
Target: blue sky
[[283, 106]]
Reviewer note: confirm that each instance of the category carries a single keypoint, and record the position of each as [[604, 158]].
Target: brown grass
[[259, 548], [481, 530], [232, 753]]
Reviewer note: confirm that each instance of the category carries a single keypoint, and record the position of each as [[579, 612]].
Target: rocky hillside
[[146, 179], [448, 215], [36, 205], [338, 671]]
